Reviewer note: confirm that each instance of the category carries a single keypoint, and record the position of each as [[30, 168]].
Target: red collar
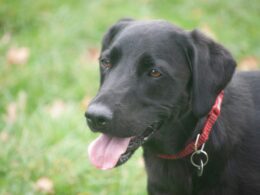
[[211, 119]]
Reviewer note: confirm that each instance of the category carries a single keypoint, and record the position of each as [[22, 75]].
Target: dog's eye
[[155, 73], [105, 63]]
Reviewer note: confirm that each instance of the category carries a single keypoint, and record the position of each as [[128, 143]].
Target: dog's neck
[[175, 140], [171, 138], [170, 141], [173, 135]]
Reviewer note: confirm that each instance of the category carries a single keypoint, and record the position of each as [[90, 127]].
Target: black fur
[[194, 70]]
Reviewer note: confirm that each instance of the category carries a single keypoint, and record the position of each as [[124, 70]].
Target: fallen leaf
[[93, 54], [83, 193], [249, 63], [18, 55], [85, 102], [208, 31], [56, 109], [11, 113], [140, 162], [45, 185], [6, 193], [4, 136], [6, 38], [90, 56]]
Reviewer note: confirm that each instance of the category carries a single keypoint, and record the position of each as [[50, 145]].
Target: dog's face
[[149, 73]]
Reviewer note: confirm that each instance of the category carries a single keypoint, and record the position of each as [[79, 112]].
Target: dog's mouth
[[107, 152]]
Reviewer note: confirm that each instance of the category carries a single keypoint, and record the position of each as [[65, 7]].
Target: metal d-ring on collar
[[201, 155]]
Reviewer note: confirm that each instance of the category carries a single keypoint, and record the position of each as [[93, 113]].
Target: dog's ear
[[113, 31], [212, 68]]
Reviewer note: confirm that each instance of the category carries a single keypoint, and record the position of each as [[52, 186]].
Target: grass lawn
[[43, 135]]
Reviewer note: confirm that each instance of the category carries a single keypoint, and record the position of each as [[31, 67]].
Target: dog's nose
[[98, 117]]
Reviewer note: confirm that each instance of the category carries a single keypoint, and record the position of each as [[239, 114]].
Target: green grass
[[59, 34]]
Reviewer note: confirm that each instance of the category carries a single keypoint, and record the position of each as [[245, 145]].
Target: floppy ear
[[212, 69], [110, 35], [113, 31]]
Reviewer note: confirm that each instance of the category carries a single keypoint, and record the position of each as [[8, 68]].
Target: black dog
[[158, 86]]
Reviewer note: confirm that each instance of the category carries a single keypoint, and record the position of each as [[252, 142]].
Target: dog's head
[[151, 71]]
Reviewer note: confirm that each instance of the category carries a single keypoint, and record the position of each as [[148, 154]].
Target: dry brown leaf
[[18, 55], [45, 185], [90, 56], [85, 102], [84, 193], [56, 109], [6, 193], [13, 109], [11, 113], [93, 54], [4, 136], [140, 162], [208, 31], [6, 38], [249, 63]]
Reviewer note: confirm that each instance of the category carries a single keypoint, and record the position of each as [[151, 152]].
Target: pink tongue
[[105, 151]]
